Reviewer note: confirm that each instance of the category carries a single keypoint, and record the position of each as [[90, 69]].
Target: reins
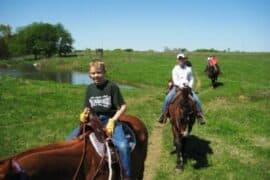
[[102, 160], [107, 148], [83, 154]]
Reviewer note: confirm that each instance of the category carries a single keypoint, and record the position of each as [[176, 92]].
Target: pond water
[[31, 72]]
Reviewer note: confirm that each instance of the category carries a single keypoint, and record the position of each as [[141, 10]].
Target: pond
[[28, 71]]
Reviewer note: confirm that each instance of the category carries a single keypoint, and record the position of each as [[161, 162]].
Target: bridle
[[84, 154], [185, 115]]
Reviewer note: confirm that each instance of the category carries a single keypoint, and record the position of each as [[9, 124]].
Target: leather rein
[[84, 153]]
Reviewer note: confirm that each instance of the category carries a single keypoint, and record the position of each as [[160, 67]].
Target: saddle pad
[[99, 147]]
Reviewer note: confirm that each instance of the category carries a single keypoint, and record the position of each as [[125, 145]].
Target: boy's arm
[[119, 112]]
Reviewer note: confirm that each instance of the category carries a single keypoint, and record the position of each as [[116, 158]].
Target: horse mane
[[181, 96], [46, 147], [181, 106], [185, 102]]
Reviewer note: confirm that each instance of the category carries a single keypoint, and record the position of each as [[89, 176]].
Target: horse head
[[213, 72], [11, 170]]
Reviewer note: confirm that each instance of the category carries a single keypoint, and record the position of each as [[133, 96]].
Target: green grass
[[234, 144], [40, 112]]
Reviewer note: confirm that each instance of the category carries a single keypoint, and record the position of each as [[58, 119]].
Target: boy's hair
[[99, 64]]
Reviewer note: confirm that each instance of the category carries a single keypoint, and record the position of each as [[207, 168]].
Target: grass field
[[234, 144]]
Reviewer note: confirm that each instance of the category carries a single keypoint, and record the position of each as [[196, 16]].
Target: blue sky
[[242, 25]]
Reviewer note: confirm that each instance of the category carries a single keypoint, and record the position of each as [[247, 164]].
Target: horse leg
[[192, 119], [213, 82], [179, 158], [183, 150], [215, 77]]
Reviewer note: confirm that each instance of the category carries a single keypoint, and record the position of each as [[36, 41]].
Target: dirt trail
[[154, 152], [155, 145]]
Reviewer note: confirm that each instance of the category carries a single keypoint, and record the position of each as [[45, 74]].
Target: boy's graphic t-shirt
[[104, 99]]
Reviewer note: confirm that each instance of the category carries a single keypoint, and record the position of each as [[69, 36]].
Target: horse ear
[[5, 168], [2, 171], [8, 165]]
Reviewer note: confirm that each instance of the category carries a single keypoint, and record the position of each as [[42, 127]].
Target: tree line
[[38, 39]]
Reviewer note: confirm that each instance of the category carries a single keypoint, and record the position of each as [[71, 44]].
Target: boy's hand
[[110, 126], [84, 115]]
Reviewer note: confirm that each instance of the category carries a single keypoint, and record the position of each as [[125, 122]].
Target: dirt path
[[155, 145], [154, 152]]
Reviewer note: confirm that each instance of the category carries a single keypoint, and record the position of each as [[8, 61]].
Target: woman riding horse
[[181, 76], [212, 69]]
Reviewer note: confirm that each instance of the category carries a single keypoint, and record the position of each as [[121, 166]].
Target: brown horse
[[182, 112], [213, 73], [75, 159]]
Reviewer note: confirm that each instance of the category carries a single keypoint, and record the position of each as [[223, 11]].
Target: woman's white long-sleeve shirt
[[182, 76]]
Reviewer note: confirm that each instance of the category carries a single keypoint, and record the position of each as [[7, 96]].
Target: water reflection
[[31, 72], [80, 78]]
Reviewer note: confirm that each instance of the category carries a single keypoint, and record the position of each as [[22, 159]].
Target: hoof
[[173, 151], [179, 168]]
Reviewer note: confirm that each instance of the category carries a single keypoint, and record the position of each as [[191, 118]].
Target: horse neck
[[47, 147], [185, 93], [47, 163], [42, 155], [183, 104], [38, 162]]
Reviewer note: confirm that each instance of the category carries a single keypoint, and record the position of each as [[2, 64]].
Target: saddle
[[213, 69], [176, 97], [102, 143], [177, 94]]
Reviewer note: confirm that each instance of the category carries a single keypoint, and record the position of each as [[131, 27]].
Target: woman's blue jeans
[[119, 140], [168, 98], [196, 99], [172, 93]]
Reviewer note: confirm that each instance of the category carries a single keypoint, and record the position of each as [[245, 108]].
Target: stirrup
[[201, 120], [162, 119]]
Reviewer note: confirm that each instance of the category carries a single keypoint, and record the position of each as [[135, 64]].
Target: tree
[[5, 35], [43, 39], [5, 30], [64, 43]]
